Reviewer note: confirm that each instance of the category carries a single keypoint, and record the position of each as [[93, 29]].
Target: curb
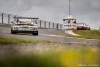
[[71, 33], [80, 38]]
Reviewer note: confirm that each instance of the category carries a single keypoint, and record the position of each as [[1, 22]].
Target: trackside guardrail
[[6, 19]]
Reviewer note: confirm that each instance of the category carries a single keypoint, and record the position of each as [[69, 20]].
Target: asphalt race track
[[48, 34]]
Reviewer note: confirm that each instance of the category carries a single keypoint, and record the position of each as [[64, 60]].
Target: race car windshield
[[80, 24], [23, 20]]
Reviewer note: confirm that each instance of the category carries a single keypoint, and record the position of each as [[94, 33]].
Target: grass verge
[[69, 58], [89, 34], [7, 40]]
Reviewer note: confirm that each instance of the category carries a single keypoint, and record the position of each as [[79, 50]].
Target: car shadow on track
[[28, 34], [25, 34]]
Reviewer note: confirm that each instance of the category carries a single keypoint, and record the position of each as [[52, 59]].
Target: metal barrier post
[[60, 26], [57, 25], [53, 25], [40, 23], [8, 18], [45, 24], [49, 24], [2, 17]]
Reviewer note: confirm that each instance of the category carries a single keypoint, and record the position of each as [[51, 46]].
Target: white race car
[[24, 25]]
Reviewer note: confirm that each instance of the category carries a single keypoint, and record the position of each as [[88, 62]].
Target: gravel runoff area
[[25, 49]]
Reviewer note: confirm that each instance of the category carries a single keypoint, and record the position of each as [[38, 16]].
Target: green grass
[[7, 40], [32, 60], [73, 57], [89, 34], [69, 58]]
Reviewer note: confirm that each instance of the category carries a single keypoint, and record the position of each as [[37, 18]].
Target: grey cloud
[[55, 10]]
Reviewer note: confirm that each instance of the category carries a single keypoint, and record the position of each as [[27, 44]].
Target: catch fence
[[8, 18]]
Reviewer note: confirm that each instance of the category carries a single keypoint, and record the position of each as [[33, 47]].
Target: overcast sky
[[86, 11]]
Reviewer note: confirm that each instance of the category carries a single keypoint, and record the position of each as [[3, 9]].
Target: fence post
[[45, 24], [53, 25], [8, 18], [49, 24], [40, 23], [60, 26], [2, 17], [57, 25]]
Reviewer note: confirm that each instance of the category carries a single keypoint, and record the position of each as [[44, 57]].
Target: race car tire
[[35, 33], [12, 32], [89, 29], [77, 29], [85, 29]]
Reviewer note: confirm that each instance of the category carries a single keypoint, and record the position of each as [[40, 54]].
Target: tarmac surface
[[48, 34]]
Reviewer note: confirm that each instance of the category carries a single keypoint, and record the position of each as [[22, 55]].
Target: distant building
[[69, 23]]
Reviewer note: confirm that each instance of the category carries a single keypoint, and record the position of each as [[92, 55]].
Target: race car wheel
[[89, 29], [12, 32], [35, 33], [77, 29], [85, 29]]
